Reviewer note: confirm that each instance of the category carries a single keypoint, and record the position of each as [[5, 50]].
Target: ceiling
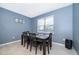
[[33, 9]]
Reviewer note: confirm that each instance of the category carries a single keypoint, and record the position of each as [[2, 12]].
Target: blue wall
[[62, 23], [8, 26], [76, 26], [65, 24]]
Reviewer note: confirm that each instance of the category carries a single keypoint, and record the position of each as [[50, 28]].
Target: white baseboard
[[75, 51], [58, 43], [64, 45], [9, 43], [20, 40]]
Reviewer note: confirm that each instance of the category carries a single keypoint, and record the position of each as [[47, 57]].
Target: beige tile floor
[[18, 49]]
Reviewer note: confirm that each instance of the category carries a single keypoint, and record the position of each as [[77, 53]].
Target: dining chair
[[26, 38], [49, 42], [33, 41], [50, 39]]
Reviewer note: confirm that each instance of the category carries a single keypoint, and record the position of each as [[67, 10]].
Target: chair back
[[25, 35], [49, 39], [50, 36], [32, 36]]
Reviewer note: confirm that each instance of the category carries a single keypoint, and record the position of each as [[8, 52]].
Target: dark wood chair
[[48, 42], [26, 38], [33, 41]]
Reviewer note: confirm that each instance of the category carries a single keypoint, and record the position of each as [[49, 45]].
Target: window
[[41, 25], [45, 24], [49, 22]]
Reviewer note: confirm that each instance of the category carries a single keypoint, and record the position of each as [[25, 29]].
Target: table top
[[42, 36]]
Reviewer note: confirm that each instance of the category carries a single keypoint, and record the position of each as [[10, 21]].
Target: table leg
[[44, 47]]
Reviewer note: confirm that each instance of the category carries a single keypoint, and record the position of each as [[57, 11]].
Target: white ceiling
[[32, 9]]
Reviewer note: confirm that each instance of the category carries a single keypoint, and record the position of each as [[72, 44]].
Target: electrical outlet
[[64, 39]]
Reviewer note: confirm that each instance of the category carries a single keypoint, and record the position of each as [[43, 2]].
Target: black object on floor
[[68, 44]]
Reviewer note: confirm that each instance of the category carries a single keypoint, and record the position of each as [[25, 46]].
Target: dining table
[[39, 37]]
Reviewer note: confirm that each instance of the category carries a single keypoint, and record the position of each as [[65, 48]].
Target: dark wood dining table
[[41, 37]]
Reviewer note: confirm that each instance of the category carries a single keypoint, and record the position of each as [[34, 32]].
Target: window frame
[[45, 24]]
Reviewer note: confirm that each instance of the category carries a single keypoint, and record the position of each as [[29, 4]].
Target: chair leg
[[50, 45], [36, 50], [21, 39], [48, 49], [27, 45], [35, 47], [24, 42], [40, 47], [30, 46]]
